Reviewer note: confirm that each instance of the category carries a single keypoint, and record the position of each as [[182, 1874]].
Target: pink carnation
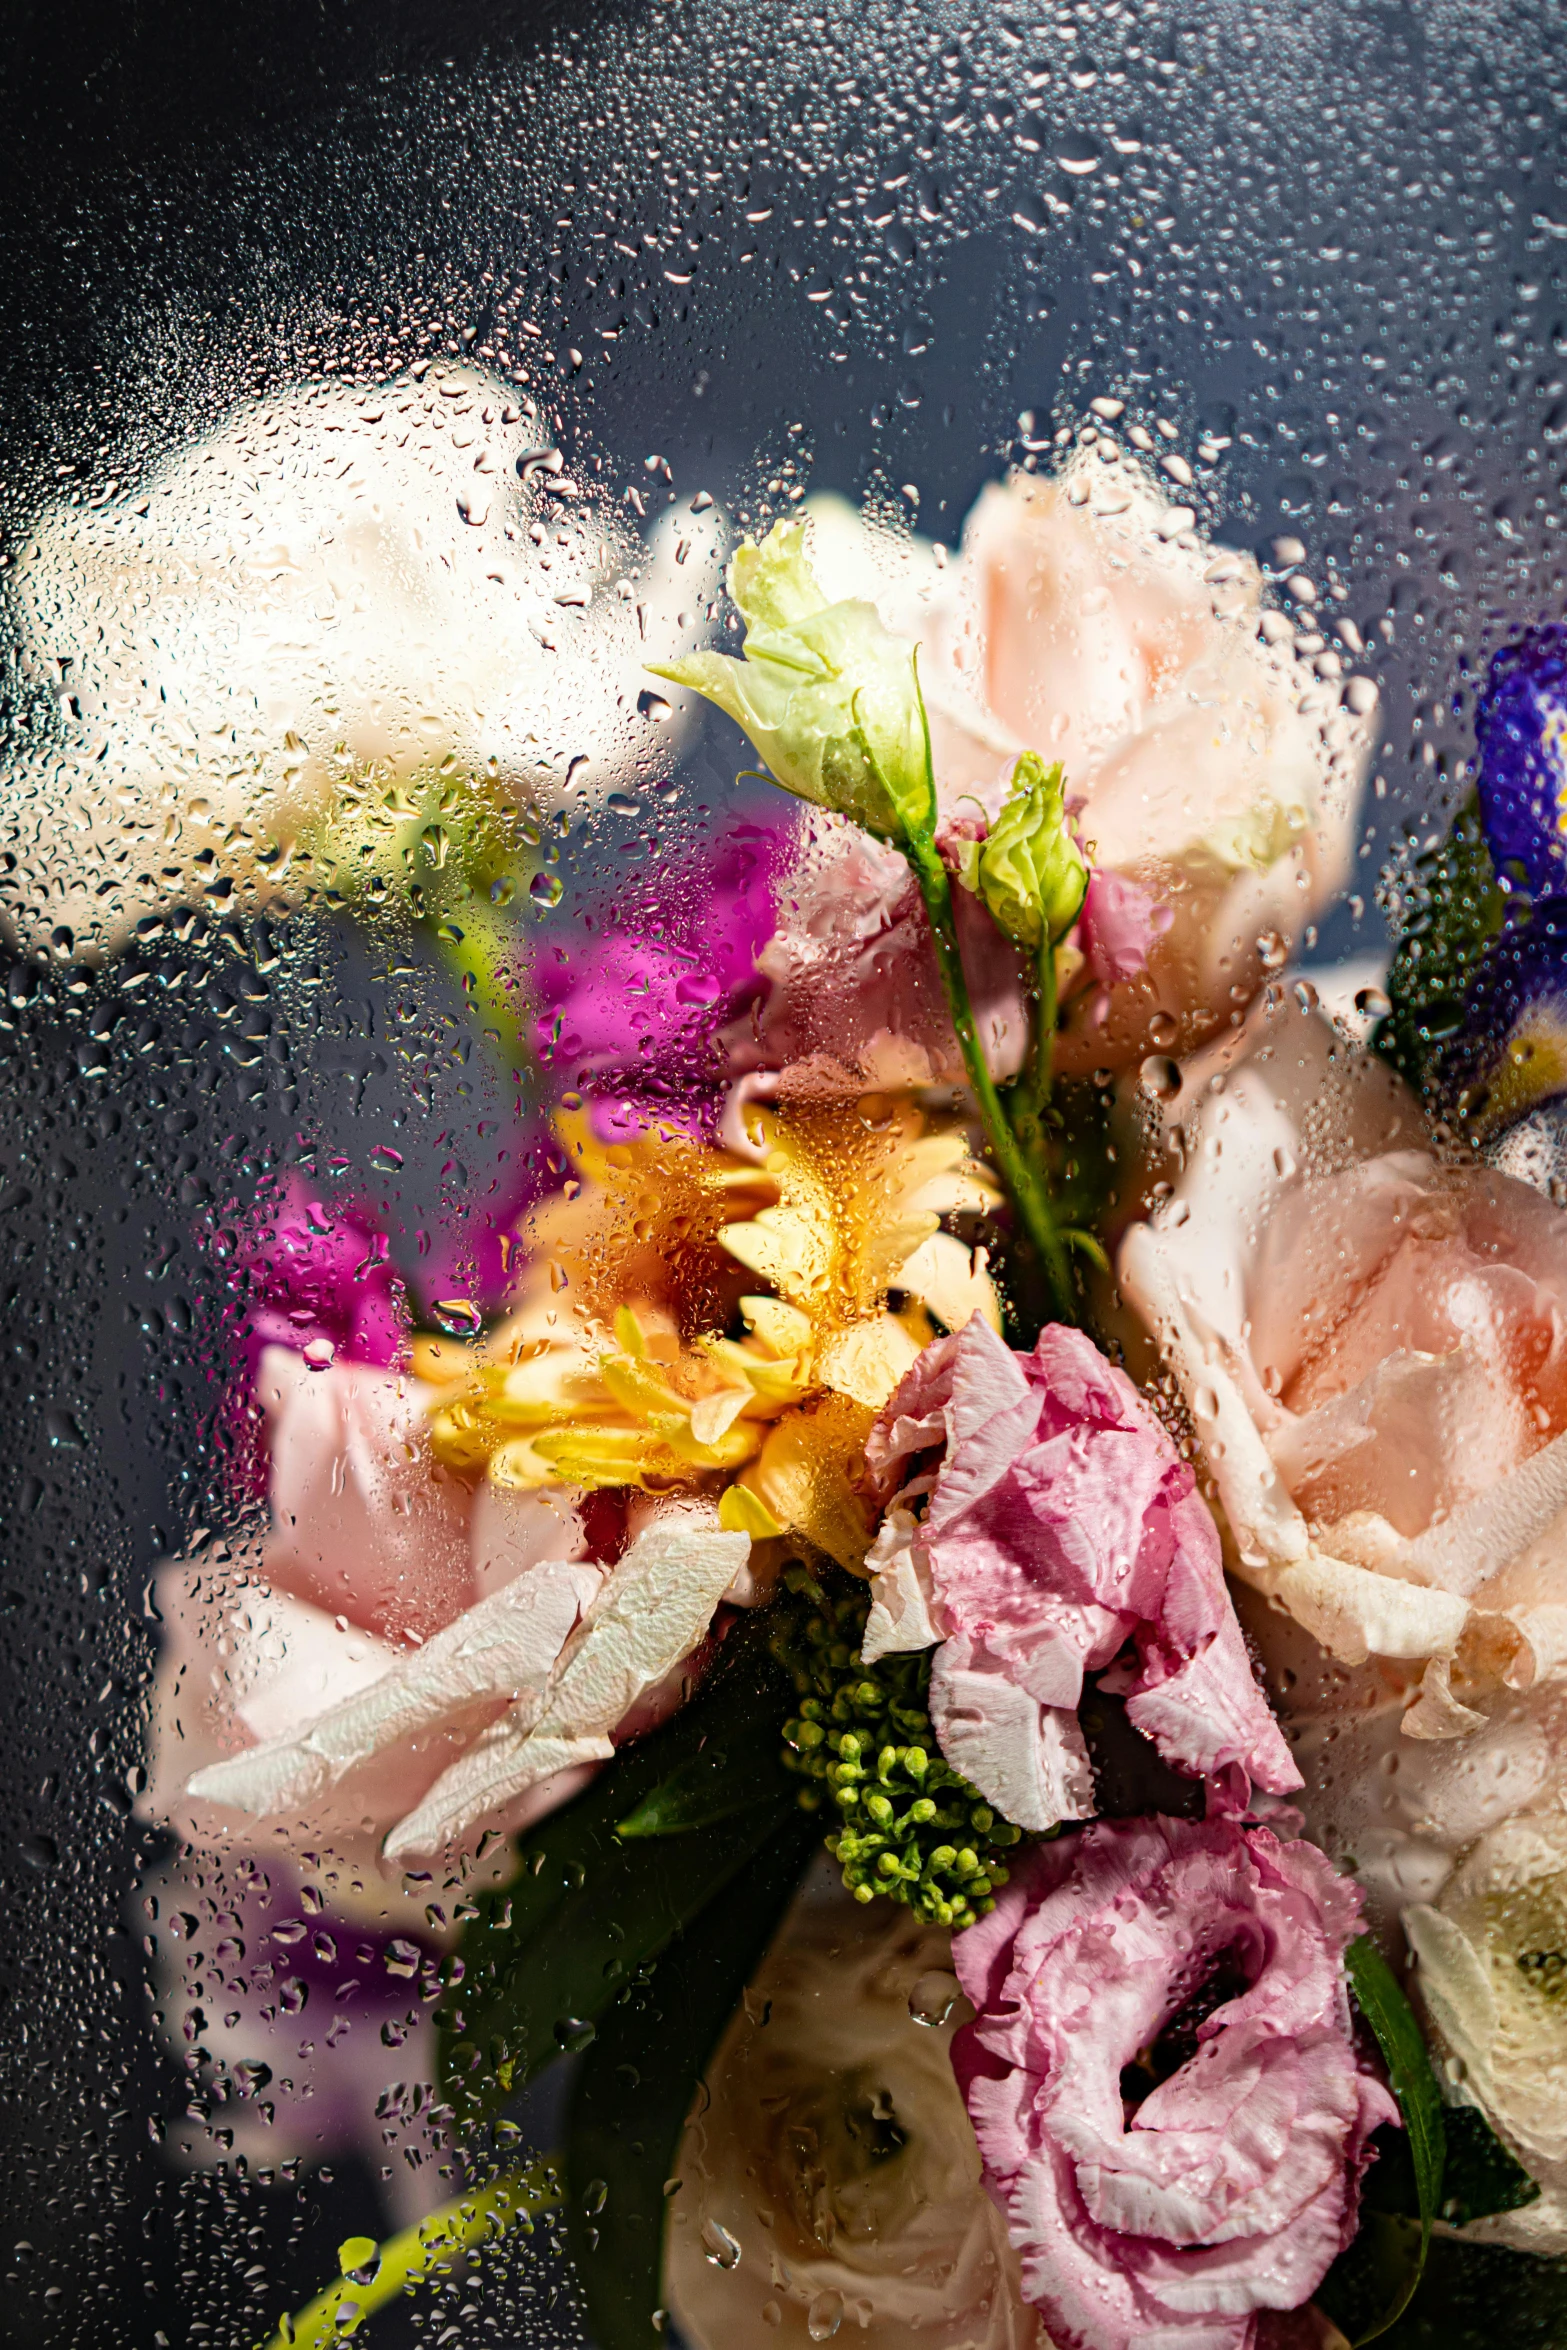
[[1062, 1527], [1163, 2080]]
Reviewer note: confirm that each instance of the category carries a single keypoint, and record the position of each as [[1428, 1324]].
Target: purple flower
[[1521, 732]]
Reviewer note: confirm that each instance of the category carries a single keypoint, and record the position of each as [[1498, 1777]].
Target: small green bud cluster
[[902, 1822]]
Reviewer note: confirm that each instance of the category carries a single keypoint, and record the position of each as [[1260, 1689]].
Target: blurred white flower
[[331, 586], [1492, 1954], [830, 2175]]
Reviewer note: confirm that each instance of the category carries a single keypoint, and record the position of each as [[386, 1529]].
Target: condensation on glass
[[419, 410]]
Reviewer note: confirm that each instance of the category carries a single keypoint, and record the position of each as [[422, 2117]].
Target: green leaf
[[1392, 2019], [550, 1951], [636, 2085], [714, 1785], [1456, 910]]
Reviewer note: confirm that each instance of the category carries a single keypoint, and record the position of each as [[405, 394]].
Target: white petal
[[508, 1643], [505, 1762], [1028, 1759], [646, 1619], [900, 1617]]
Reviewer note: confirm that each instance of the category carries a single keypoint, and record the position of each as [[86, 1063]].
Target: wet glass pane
[[384, 394]]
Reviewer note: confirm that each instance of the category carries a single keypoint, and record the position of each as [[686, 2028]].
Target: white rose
[[831, 2175], [333, 584], [1492, 1954]]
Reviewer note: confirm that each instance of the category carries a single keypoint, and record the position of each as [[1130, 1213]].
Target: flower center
[[1175, 2042]]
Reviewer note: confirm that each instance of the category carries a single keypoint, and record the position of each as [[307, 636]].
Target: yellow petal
[[782, 1327], [438, 1361], [803, 1478], [770, 1384], [951, 1280], [518, 1467], [639, 1390], [792, 1251], [728, 1451], [715, 1415], [628, 1330], [592, 1455], [740, 1512], [867, 1362]]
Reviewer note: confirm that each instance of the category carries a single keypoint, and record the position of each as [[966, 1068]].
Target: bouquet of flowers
[[975, 1638]]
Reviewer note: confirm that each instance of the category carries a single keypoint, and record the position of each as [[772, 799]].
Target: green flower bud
[[1030, 871], [829, 698]]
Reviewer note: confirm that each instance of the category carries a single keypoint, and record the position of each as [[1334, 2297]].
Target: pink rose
[[1371, 1345], [1061, 1528], [1163, 2079], [371, 1555]]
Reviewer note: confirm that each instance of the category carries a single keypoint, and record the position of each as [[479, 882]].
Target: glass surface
[[380, 389]]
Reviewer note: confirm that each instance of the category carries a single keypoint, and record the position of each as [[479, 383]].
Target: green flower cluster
[[908, 1825]]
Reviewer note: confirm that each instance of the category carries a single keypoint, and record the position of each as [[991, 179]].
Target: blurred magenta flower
[[322, 1278], [628, 1017]]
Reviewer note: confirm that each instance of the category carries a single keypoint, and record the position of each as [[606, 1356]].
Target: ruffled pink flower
[[1163, 2079], [1061, 1529]]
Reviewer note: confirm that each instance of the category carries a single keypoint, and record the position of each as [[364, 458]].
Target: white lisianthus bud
[[828, 696]]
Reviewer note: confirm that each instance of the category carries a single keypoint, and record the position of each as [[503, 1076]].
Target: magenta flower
[[1062, 1529], [1163, 2079], [322, 1277], [629, 1015]]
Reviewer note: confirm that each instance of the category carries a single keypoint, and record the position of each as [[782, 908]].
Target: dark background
[[1333, 235]]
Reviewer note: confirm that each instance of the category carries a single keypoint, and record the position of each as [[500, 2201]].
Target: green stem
[[1024, 1181], [1043, 1073], [407, 2259]]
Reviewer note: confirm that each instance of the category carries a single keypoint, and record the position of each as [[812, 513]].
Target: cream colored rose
[[831, 2179], [1088, 620], [1374, 1351], [1492, 1973]]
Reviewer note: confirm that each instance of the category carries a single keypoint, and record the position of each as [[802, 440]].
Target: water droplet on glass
[[934, 1996], [574, 2034], [719, 2246], [824, 2316], [1273, 949], [385, 1160], [546, 889], [1160, 1077], [1372, 1004], [459, 1317], [320, 1354], [1163, 1029]]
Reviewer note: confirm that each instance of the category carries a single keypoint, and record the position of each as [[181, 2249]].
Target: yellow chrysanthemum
[[645, 1352]]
